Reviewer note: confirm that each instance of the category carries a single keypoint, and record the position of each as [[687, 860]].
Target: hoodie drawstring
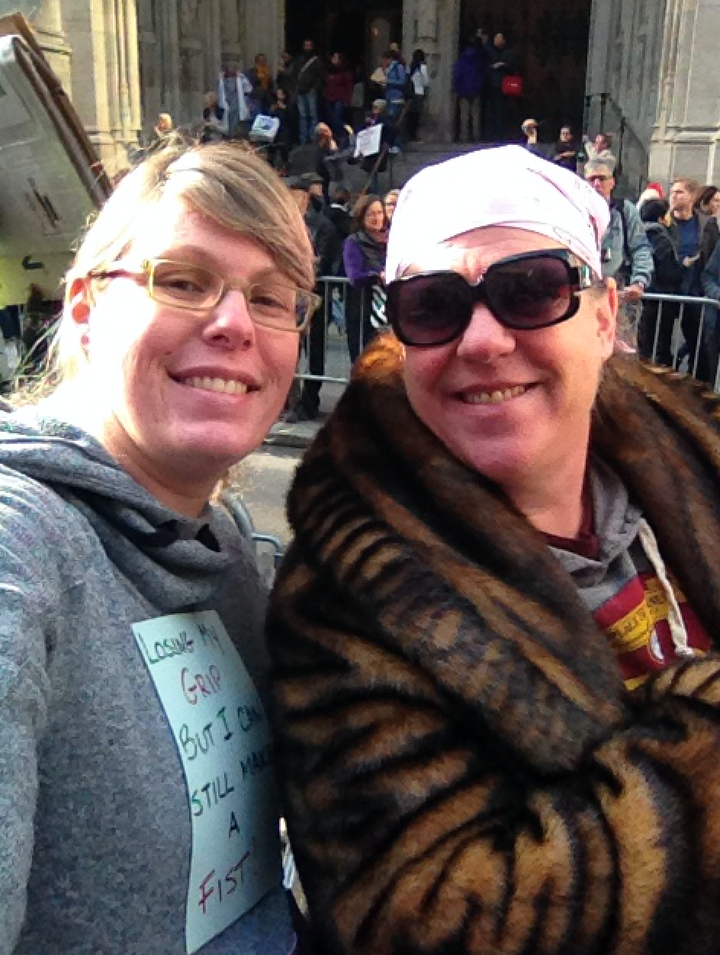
[[678, 631]]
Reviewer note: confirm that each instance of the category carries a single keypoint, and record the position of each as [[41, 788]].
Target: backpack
[[408, 87]]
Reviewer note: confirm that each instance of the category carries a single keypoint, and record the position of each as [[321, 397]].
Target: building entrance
[[359, 29], [550, 40]]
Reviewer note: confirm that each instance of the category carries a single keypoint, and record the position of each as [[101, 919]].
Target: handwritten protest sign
[[223, 738]]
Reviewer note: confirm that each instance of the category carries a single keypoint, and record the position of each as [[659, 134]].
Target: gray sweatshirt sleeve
[[27, 590]]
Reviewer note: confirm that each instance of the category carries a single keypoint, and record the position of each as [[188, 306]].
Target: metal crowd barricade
[[324, 354], [268, 548], [681, 332]]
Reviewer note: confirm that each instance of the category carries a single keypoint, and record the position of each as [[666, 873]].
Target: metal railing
[[268, 548], [334, 340], [682, 332]]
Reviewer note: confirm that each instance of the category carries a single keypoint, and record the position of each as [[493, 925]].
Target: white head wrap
[[504, 186]]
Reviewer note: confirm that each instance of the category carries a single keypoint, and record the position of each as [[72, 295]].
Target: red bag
[[512, 85]]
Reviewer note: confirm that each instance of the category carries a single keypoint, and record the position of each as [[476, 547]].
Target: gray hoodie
[[628, 588], [617, 525], [95, 814]]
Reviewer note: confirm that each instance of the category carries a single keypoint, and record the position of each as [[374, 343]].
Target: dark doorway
[[550, 38], [345, 26]]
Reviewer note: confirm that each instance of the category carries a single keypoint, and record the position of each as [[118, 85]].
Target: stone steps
[[400, 168]]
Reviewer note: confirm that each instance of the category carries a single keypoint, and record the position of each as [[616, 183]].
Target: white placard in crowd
[[367, 142]]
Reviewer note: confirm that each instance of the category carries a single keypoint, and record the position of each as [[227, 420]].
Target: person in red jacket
[[337, 93]]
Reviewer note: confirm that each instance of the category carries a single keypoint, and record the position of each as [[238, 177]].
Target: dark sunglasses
[[523, 292]]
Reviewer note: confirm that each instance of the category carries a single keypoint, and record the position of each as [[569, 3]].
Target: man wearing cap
[[626, 250], [306, 406], [496, 720]]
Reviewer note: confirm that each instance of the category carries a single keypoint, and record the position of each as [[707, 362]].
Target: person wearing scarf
[[364, 253]]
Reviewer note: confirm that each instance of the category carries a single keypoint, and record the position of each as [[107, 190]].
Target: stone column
[[624, 78], [433, 26], [169, 42], [263, 32], [88, 25], [133, 122], [598, 62], [126, 49], [50, 34], [212, 43], [686, 135], [105, 74]]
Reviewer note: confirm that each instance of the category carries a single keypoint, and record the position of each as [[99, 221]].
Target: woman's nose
[[231, 321], [485, 338]]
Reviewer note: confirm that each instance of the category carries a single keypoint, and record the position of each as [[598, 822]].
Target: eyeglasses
[[598, 177], [524, 292], [192, 287]]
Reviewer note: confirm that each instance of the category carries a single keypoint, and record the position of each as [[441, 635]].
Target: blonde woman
[[138, 809]]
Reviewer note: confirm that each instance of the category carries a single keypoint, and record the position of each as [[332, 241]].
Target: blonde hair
[[225, 181], [164, 122]]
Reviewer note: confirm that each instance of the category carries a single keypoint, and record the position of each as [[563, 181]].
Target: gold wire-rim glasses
[[196, 288]]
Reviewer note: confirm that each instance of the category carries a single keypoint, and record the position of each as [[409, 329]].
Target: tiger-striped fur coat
[[462, 768]]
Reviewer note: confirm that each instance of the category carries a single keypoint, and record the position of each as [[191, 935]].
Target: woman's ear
[[79, 300], [607, 308]]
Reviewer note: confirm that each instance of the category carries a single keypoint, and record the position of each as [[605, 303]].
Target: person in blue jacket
[[467, 85], [395, 76]]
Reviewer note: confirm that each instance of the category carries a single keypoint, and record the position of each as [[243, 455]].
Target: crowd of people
[[662, 242], [323, 103], [350, 242], [287, 107], [309, 88], [665, 246]]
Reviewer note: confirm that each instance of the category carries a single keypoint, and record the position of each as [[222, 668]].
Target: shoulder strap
[[308, 64]]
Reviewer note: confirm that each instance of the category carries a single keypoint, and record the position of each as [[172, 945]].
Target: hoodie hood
[[166, 555], [616, 524]]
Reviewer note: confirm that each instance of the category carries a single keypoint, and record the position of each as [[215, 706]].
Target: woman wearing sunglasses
[[137, 810], [498, 728]]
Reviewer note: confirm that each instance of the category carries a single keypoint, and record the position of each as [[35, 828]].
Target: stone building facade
[[686, 130], [651, 66]]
